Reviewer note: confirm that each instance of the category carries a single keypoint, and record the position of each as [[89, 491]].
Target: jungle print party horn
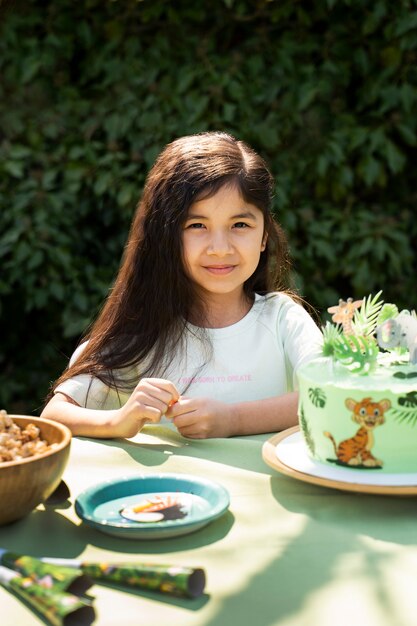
[[60, 578], [65, 573], [171, 579], [58, 608]]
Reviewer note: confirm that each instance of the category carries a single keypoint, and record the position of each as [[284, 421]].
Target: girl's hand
[[200, 418], [148, 402]]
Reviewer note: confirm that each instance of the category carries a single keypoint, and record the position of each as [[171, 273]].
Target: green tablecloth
[[286, 553]]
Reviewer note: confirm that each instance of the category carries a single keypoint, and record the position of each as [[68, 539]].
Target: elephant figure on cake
[[400, 331]]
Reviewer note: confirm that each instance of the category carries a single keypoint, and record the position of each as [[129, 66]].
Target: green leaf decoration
[[408, 416], [331, 335], [408, 411], [359, 354], [365, 319], [387, 312], [404, 375], [409, 400], [317, 397], [307, 433]]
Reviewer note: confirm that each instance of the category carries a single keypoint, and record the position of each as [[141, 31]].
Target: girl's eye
[[195, 225], [241, 225]]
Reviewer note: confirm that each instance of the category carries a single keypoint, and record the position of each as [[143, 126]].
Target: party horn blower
[[58, 608], [171, 579], [57, 577]]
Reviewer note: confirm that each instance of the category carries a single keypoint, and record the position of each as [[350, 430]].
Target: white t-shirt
[[255, 358]]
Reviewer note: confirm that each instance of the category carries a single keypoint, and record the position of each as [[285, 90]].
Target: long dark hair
[[144, 316]]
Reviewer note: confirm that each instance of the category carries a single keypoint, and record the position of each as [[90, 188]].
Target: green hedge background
[[91, 91]]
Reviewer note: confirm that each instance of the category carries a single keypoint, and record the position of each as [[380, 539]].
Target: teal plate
[[152, 506]]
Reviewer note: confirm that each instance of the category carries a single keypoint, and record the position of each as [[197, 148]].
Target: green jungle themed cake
[[358, 401]]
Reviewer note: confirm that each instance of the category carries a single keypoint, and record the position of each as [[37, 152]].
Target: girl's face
[[223, 238]]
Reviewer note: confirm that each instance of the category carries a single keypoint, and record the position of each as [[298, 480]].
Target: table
[[286, 552]]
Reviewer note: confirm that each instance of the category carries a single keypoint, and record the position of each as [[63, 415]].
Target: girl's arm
[[199, 418], [266, 416], [148, 402]]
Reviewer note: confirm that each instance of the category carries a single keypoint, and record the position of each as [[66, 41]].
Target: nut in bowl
[[28, 481]]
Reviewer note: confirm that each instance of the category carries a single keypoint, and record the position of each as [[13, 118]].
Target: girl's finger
[[182, 406], [191, 434], [152, 390], [150, 413], [161, 385]]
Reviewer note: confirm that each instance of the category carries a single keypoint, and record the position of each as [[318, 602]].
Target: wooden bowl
[[27, 482]]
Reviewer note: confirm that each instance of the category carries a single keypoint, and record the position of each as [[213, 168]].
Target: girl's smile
[[220, 269], [223, 238]]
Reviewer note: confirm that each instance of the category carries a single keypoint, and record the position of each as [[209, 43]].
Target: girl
[[198, 326]]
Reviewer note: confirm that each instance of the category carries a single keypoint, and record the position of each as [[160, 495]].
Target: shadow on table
[[47, 532], [345, 538], [167, 441], [214, 531], [192, 604], [380, 517], [56, 536]]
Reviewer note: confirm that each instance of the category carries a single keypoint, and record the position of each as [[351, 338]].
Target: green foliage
[[409, 400], [90, 93], [317, 397], [405, 375], [307, 432], [408, 412], [357, 353], [331, 336], [387, 312], [365, 319]]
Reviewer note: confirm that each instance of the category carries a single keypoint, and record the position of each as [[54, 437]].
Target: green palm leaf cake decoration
[[351, 342], [359, 354], [407, 409], [365, 319], [317, 396], [306, 432]]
